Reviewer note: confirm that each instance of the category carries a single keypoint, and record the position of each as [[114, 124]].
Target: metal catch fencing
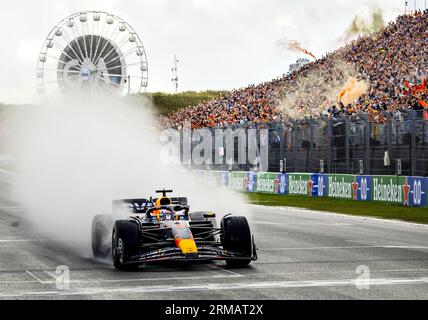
[[342, 145]]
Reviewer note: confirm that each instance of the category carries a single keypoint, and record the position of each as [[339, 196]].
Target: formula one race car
[[163, 230]]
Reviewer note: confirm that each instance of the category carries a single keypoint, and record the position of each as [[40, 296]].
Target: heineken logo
[[267, 184], [237, 182], [387, 190], [299, 185], [339, 187]]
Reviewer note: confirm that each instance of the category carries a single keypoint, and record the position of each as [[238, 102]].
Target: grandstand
[[308, 121]]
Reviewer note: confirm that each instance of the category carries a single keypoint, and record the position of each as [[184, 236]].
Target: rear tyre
[[125, 243], [101, 233], [236, 237]]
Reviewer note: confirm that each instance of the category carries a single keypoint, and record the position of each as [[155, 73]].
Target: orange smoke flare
[[297, 46], [351, 91]]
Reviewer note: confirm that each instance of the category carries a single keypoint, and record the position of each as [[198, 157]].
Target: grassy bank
[[369, 209], [166, 103]]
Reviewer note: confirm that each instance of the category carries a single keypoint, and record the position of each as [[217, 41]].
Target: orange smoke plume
[[351, 91], [297, 46]]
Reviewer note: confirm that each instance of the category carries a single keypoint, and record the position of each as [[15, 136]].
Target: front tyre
[[236, 237], [126, 242]]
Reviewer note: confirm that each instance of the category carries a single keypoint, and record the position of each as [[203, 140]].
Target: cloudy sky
[[221, 44]]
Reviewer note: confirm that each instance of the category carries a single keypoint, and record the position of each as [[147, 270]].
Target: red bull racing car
[[164, 230]]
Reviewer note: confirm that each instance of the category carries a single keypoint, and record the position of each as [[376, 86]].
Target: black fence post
[[413, 144], [389, 142], [283, 141], [347, 145], [295, 149], [311, 153], [329, 144], [368, 130]]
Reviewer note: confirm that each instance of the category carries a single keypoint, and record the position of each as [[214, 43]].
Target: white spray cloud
[[73, 159]]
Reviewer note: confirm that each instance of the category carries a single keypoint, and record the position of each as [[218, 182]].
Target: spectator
[[392, 62]]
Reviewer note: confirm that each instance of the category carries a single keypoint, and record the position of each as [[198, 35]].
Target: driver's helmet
[[164, 201]]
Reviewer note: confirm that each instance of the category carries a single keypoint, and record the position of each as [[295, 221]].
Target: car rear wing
[[177, 200], [138, 206]]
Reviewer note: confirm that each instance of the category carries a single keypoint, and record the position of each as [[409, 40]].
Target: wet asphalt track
[[303, 255]]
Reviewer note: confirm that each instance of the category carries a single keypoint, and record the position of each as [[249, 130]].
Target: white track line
[[227, 271], [28, 240], [387, 244], [35, 277], [227, 286], [328, 224], [87, 281], [346, 247], [372, 271], [291, 210], [51, 274]]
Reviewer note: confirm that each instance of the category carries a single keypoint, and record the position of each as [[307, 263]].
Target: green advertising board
[[267, 182], [340, 186], [299, 183], [238, 181], [388, 189]]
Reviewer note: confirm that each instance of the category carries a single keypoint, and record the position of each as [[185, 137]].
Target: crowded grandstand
[[391, 64]]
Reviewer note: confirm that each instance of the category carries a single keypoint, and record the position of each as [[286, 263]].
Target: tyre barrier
[[402, 190]]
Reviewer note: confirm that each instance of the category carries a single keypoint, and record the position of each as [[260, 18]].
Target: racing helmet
[[164, 201]]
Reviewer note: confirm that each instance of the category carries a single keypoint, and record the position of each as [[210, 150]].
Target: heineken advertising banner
[[407, 191], [318, 185], [223, 178], [238, 181], [283, 183], [267, 182], [415, 191], [362, 188], [251, 182], [390, 189], [341, 186], [299, 183]]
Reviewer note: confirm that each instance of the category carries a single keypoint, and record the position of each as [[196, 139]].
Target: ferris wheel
[[92, 52]]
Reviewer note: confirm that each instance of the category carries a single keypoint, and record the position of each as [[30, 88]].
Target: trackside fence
[[344, 145], [401, 190]]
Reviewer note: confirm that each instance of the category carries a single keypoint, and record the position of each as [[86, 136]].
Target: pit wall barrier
[[406, 191]]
